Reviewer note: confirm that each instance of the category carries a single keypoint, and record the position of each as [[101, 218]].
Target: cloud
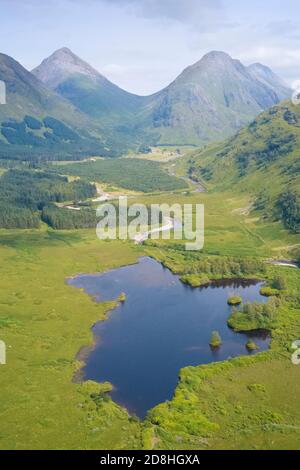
[[270, 54], [184, 11], [282, 27]]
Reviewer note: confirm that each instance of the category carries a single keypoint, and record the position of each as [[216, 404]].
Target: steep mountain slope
[[36, 117], [28, 95], [262, 159], [210, 100], [86, 88], [269, 78]]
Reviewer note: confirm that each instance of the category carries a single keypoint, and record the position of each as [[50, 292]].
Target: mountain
[[270, 79], [86, 88], [261, 160], [212, 99], [26, 94], [35, 118], [209, 100]]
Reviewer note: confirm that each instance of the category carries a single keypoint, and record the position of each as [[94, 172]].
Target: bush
[[235, 300], [215, 340], [280, 283], [251, 345], [278, 286], [122, 297], [195, 280], [268, 291]]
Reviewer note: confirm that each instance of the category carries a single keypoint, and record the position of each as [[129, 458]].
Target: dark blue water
[[162, 326]]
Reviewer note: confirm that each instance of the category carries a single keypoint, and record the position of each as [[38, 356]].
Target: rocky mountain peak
[[63, 63]]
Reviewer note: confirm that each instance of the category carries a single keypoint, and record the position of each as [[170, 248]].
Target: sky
[[142, 45]]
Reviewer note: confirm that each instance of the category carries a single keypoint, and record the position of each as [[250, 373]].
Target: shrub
[[122, 297], [195, 280], [280, 283], [268, 291], [234, 300], [251, 345], [215, 340]]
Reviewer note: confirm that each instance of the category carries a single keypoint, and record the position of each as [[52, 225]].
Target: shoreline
[[84, 352]]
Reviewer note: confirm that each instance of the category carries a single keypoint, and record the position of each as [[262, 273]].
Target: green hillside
[[36, 122], [263, 159]]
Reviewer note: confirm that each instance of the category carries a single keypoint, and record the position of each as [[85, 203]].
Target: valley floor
[[242, 403]]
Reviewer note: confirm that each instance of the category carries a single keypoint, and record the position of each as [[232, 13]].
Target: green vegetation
[[122, 297], [215, 406], [32, 123], [12, 216], [25, 193], [289, 207], [60, 130], [279, 283], [66, 219], [44, 140], [251, 345], [270, 143], [268, 291], [235, 404], [198, 268], [36, 124], [276, 287], [254, 316], [234, 300], [215, 340], [195, 280], [134, 174], [45, 322]]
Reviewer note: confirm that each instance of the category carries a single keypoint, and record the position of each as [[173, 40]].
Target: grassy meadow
[[44, 323], [247, 402]]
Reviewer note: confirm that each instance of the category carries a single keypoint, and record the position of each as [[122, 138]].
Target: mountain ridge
[[64, 58], [85, 87], [32, 108], [210, 100]]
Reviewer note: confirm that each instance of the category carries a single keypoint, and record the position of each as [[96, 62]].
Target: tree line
[[25, 193]]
